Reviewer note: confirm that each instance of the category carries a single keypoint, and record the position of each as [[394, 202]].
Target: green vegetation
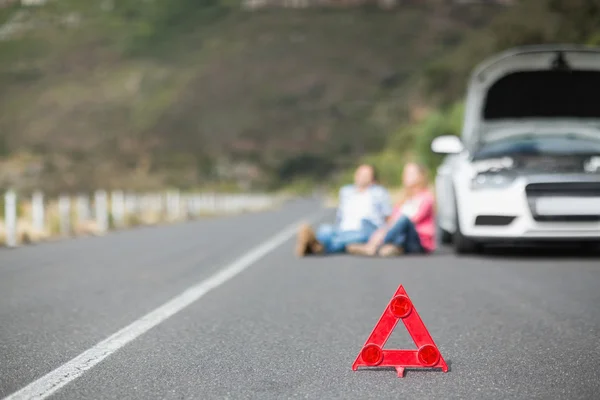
[[200, 94], [443, 82]]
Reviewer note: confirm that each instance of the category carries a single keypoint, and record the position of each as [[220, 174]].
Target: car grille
[[558, 189], [572, 189]]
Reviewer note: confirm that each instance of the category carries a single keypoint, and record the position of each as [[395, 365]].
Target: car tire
[[590, 247], [445, 236], [462, 244]]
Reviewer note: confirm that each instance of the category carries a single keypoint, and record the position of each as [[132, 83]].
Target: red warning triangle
[[426, 355]]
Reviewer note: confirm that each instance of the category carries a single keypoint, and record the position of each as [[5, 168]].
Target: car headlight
[[492, 180], [493, 164], [592, 164]]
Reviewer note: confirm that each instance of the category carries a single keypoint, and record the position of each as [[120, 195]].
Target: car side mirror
[[446, 144]]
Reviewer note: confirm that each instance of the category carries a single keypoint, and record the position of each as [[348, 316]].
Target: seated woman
[[411, 228]]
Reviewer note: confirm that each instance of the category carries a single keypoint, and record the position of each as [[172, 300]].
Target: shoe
[[306, 242], [389, 250], [358, 249], [316, 248]]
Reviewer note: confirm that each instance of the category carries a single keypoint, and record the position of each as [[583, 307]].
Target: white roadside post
[[129, 205], [173, 205], [234, 203], [160, 205], [139, 210], [117, 208], [197, 204], [243, 202], [187, 206], [143, 204], [83, 208], [222, 203], [219, 203], [177, 204], [182, 207], [38, 212], [10, 218], [64, 211], [214, 203], [227, 203], [101, 205], [168, 206]]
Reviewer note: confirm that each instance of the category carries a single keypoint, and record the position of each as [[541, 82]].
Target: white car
[[527, 164]]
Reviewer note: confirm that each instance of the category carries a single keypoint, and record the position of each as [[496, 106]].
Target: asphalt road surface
[[110, 318]]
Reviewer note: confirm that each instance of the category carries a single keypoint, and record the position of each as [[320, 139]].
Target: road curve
[[510, 326]]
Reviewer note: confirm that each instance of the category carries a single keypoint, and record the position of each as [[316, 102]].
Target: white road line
[[54, 380]]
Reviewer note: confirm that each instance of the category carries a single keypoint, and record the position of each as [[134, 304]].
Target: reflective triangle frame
[[426, 355]]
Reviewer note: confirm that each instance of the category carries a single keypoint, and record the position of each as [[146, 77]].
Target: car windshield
[[539, 145]]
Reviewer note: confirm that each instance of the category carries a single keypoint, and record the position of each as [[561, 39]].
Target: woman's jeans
[[335, 240], [403, 234]]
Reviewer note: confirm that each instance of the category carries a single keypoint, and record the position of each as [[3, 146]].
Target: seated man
[[363, 208]]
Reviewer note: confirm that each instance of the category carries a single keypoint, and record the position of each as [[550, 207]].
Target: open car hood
[[533, 85]]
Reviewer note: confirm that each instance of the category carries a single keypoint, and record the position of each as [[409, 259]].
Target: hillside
[[442, 83], [175, 94]]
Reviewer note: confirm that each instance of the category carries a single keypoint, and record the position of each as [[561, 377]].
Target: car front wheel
[[445, 236], [463, 244]]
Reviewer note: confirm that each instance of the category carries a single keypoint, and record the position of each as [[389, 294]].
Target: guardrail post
[[130, 204], [83, 208], [38, 212], [173, 205], [178, 204], [117, 208], [64, 211], [197, 204], [10, 218], [101, 205]]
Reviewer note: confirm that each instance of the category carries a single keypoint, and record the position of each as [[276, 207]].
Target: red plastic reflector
[[400, 306], [372, 354], [428, 355]]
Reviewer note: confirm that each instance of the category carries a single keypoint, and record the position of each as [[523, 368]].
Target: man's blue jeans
[[335, 240], [403, 234]]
